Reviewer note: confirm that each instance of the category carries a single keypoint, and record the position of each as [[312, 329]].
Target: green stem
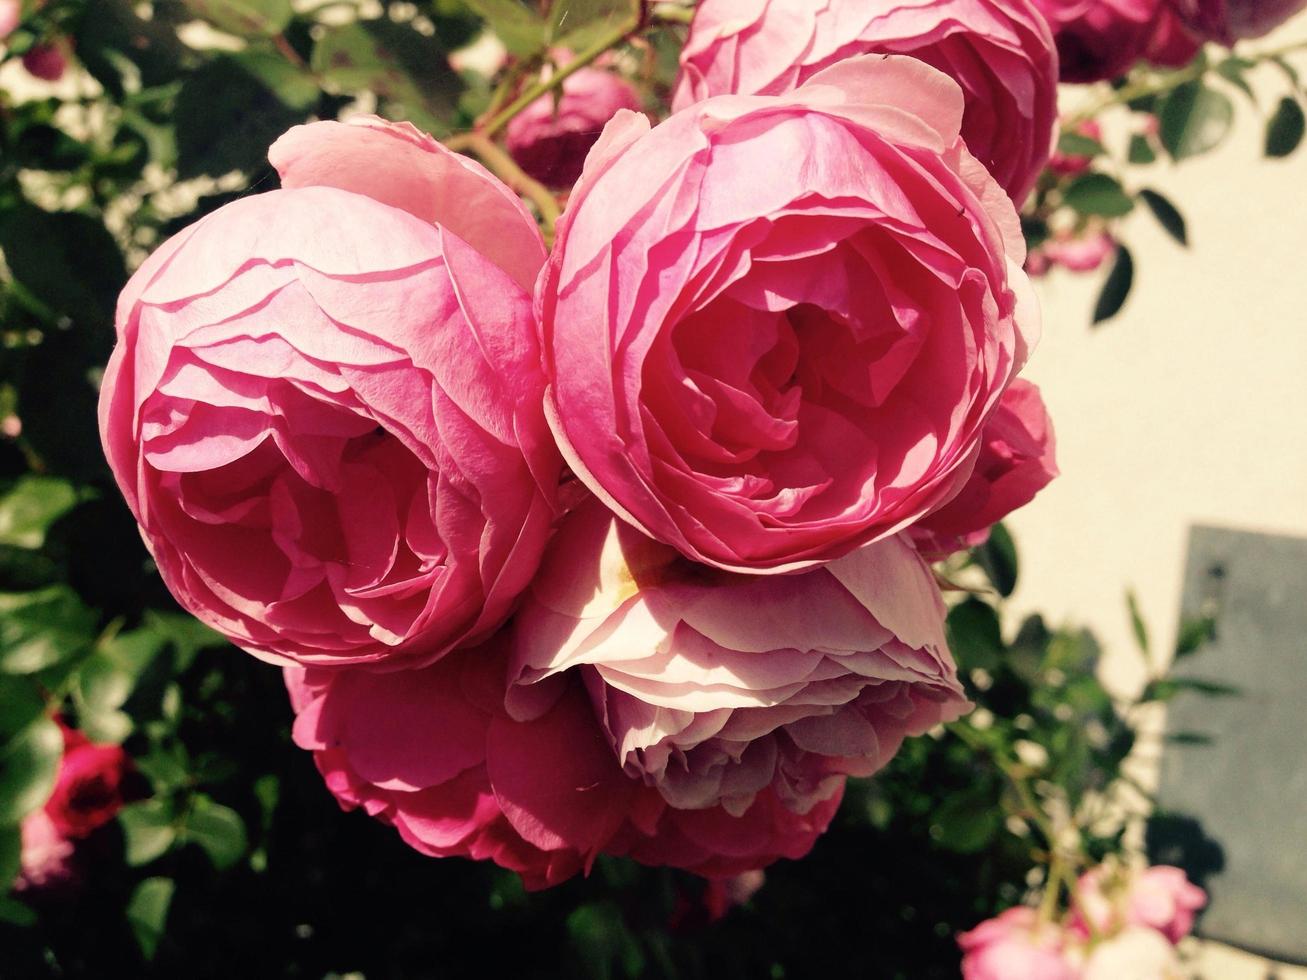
[[671, 13], [497, 160]]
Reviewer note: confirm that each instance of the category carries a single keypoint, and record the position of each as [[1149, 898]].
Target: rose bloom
[[11, 15], [999, 51], [768, 365], [1015, 946], [1159, 897], [88, 790], [1230, 20], [550, 138], [47, 62], [712, 687], [1136, 953], [45, 860], [432, 753], [1101, 39], [1017, 460], [324, 408]]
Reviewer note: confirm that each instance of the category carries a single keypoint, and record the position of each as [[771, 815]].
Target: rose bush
[[769, 372], [713, 687], [324, 405], [999, 51]]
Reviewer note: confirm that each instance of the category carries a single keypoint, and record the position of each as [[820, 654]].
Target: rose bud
[[1228, 21], [47, 62], [999, 51], [1080, 254], [713, 687], [769, 366], [1015, 946], [550, 138], [1103, 39], [1017, 460], [1136, 953], [1159, 897], [88, 790], [324, 408]]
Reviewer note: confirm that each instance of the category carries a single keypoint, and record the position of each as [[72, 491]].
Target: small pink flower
[[1159, 897], [1069, 164], [1083, 254], [551, 137], [11, 15], [46, 856], [1016, 946], [999, 51]]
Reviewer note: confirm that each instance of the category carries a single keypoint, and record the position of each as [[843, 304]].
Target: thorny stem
[[498, 160]]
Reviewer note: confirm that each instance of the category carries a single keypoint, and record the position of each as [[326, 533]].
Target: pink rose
[[1080, 254], [550, 138], [1100, 39], [1159, 897], [11, 15], [46, 855], [1137, 953], [1015, 946], [324, 408], [1069, 164], [432, 753], [1017, 460], [47, 62], [712, 687], [999, 51], [1227, 21], [767, 366], [88, 790]]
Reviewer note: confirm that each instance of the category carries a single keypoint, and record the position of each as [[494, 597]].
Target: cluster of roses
[[620, 548], [88, 791], [1123, 923]]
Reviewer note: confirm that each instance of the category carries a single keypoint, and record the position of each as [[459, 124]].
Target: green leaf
[[1167, 215], [1137, 620], [218, 829], [42, 628], [1079, 145], [186, 633], [68, 260], [519, 26], [974, 635], [1117, 287], [21, 703], [11, 855], [603, 942], [578, 24], [1167, 688], [1190, 738], [148, 830], [147, 912], [16, 913], [967, 822], [244, 17], [998, 558], [1285, 131], [1141, 150], [1100, 195], [1233, 70], [1193, 635], [28, 766], [1194, 119]]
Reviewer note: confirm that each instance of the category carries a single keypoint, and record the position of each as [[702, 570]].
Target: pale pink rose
[[1084, 253], [1069, 164], [1136, 953], [1016, 946], [11, 15], [1018, 458], [46, 855], [775, 326], [550, 138], [712, 687], [1100, 39], [47, 62], [324, 408], [999, 51], [432, 753], [1228, 21], [1159, 897]]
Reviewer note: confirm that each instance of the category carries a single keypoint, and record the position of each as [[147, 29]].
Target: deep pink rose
[[712, 687], [551, 136], [47, 62], [1015, 946], [324, 408], [1228, 21], [1100, 39], [88, 790], [45, 860], [1018, 458], [768, 364], [1159, 897], [999, 51], [1136, 953], [432, 753]]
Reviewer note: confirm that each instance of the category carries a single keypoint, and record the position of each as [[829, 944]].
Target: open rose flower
[[433, 753], [766, 366], [1016, 946], [713, 687], [1159, 897], [324, 408], [551, 136], [1101, 39], [1017, 460], [1230, 20], [999, 51], [88, 789]]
